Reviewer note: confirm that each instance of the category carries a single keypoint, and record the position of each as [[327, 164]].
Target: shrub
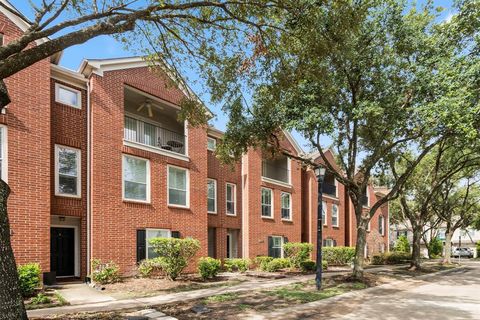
[[241, 265], [391, 258], [262, 261], [402, 245], [297, 252], [478, 248], [435, 248], [105, 272], [338, 256], [29, 278], [276, 264], [150, 267], [209, 267], [310, 265], [175, 253], [40, 299]]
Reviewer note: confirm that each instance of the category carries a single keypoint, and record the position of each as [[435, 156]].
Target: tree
[[363, 76], [402, 245], [202, 32], [458, 206]]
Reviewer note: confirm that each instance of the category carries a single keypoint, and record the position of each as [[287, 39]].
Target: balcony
[[153, 123], [154, 136], [276, 169], [329, 189]]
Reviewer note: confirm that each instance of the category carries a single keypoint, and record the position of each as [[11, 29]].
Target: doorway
[[62, 251]]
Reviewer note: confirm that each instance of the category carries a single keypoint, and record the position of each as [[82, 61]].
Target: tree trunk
[[447, 258], [11, 302], [415, 263], [359, 258]]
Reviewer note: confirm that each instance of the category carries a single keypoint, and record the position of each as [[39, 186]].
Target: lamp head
[[320, 171]]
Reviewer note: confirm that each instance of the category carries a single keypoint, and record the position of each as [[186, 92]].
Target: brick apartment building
[[98, 164]]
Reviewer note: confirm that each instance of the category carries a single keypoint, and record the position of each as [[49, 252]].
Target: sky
[[103, 47]]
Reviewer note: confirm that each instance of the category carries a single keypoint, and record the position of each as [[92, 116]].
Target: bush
[[478, 248], [175, 253], [232, 265], [40, 299], [402, 245], [262, 261], [29, 278], [276, 264], [391, 258], [338, 256], [209, 267], [435, 248], [310, 265], [105, 272], [297, 252], [150, 268]]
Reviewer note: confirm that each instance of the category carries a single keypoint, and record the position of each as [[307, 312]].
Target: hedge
[[297, 252], [338, 256], [391, 258], [29, 278], [209, 267], [236, 264]]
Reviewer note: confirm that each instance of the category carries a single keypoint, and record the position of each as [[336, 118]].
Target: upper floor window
[[211, 144], [178, 187], [67, 171], [381, 225], [3, 154], [324, 213], [68, 96], [286, 206], [231, 199], [365, 199], [334, 215], [136, 179], [212, 196], [267, 203]]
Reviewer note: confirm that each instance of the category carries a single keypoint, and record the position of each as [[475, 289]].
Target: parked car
[[462, 252]]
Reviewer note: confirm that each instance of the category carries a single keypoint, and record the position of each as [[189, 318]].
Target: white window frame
[[79, 172], [215, 195], [148, 188], [324, 208], [59, 86], [209, 139], [187, 206], [271, 203], [234, 187], [369, 226], [334, 205], [329, 243], [147, 244], [281, 244], [4, 152], [290, 205], [382, 224]]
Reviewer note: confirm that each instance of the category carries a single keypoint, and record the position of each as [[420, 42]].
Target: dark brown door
[[62, 251]]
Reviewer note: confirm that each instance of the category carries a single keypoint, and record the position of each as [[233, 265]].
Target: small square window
[[211, 144], [68, 96]]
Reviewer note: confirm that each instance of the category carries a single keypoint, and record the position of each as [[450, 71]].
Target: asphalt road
[[449, 296]]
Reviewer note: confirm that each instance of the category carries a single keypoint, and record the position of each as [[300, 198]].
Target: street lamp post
[[320, 173]]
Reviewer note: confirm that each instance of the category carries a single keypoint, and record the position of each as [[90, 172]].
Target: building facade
[[99, 163]]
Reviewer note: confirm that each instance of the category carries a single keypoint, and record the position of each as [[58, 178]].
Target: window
[[67, 171], [212, 196], [136, 179], [231, 198], [1, 39], [68, 96], [3, 154], [334, 215], [178, 186], [324, 213], [329, 243], [267, 206], [211, 144], [275, 246], [381, 225], [155, 233], [286, 206]]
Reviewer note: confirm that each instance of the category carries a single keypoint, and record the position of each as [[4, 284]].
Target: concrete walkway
[[447, 295], [81, 293]]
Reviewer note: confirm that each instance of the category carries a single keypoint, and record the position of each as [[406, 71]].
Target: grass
[[222, 297]]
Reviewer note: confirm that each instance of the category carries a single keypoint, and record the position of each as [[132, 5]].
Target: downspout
[[88, 179]]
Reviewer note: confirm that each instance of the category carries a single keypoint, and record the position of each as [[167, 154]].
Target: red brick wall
[[28, 120], [115, 221], [223, 173]]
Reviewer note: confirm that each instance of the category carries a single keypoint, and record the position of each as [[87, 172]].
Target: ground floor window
[[329, 243], [275, 246], [155, 233]]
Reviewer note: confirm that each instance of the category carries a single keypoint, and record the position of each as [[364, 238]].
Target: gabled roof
[[294, 143]]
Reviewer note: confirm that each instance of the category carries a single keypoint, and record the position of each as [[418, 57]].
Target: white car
[[462, 252]]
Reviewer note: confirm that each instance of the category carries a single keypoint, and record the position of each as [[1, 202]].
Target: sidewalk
[[116, 305]]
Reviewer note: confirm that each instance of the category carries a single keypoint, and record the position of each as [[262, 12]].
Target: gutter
[[89, 244]]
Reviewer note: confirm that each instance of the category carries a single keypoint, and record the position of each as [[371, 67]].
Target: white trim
[[187, 206], [234, 199], [163, 152], [4, 151], [325, 221], [59, 86], [290, 206], [147, 189], [271, 216], [329, 197], [68, 76], [79, 172], [214, 143], [277, 182], [76, 251], [215, 196], [294, 142], [334, 205], [281, 246]]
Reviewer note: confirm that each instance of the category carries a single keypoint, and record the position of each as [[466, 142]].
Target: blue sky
[[107, 47]]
